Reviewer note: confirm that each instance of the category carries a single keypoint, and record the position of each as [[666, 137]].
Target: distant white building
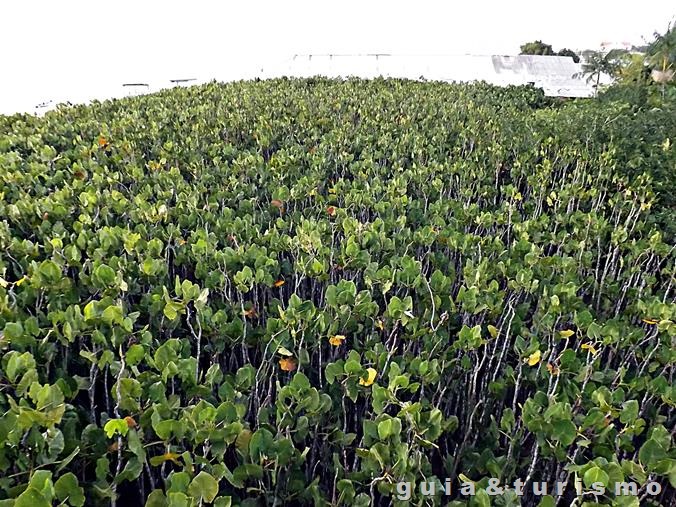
[[558, 76], [606, 46]]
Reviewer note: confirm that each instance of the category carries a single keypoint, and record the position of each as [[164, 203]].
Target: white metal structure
[[556, 75], [136, 88]]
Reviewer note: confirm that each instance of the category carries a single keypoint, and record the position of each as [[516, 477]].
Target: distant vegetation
[[540, 48]]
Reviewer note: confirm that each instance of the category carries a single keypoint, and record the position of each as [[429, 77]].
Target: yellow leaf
[[22, 280], [337, 340], [171, 456], [3, 282], [518, 196], [651, 322], [379, 324], [566, 333], [534, 358], [279, 283], [288, 364], [589, 347], [493, 331], [372, 374], [465, 479]]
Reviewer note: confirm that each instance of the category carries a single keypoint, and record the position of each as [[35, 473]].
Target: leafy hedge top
[[303, 291]]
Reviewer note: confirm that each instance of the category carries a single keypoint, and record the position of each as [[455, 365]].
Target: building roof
[[556, 75]]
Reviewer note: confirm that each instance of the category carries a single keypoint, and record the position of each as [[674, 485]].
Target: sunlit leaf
[[284, 351], [534, 358], [371, 375], [589, 347]]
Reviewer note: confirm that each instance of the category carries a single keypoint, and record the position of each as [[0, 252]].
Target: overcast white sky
[[76, 50]]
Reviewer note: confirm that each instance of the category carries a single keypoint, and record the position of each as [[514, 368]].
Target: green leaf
[[629, 412], [260, 444], [481, 499], [112, 315], [547, 501], [595, 474], [389, 427], [102, 468], [172, 309], [68, 489], [244, 472], [651, 452], [114, 426], [660, 435], [13, 331], [50, 271], [634, 470], [135, 354], [178, 481], [564, 431], [65, 461], [32, 498], [156, 498], [178, 499], [104, 275], [203, 486]]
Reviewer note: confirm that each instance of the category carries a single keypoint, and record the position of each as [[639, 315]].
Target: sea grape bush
[[298, 292]]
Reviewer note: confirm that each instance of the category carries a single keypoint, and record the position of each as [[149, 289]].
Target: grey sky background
[[76, 50]]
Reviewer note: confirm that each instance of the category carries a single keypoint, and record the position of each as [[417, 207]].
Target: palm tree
[[597, 63], [662, 55]]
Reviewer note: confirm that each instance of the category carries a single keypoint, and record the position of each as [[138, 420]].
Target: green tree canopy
[[571, 53], [537, 48]]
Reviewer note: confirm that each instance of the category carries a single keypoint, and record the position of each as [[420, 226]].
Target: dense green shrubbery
[[300, 291]]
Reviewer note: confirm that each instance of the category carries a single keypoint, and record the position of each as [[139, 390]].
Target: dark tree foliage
[[569, 52], [537, 48]]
